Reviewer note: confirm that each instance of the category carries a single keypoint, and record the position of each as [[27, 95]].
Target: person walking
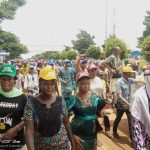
[[31, 82], [98, 87], [123, 91], [20, 80], [66, 76], [84, 104], [140, 115], [12, 104], [113, 63], [46, 121]]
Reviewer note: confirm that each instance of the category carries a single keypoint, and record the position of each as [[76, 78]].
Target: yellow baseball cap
[[47, 73], [127, 69]]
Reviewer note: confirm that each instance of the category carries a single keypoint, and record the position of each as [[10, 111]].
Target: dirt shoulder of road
[[115, 144]]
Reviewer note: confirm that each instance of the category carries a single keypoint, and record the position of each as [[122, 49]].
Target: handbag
[[121, 105]]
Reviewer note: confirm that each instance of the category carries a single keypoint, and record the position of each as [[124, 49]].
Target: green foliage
[[94, 52], [10, 43], [113, 41], [145, 45], [67, 48], [147, 24], [83, 42], [47, 55], [9, 7], [146, 32], [70, 54]]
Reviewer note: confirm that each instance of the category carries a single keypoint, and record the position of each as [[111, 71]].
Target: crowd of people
[[57, 104]]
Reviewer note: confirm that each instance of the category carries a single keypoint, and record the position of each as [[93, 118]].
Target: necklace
[[85, 102]]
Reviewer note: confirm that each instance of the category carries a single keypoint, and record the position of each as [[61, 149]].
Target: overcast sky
[[50, 24]]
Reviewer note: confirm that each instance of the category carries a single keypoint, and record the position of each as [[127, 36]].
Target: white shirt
[[31, 81], [139, 108], [19, 81], [97, 85]]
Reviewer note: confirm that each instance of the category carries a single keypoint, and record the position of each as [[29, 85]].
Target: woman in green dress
[[84, 105]]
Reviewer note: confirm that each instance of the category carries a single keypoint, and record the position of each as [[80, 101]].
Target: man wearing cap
[[140, 115], [123, 91], [31, 82], [66, 77]]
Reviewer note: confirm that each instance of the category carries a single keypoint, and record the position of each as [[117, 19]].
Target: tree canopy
[[8, 8], [69, 54], [83, 42], [145, 45], [147, 25], [10, 43], [144, 41], [113, 41], [94, 52]]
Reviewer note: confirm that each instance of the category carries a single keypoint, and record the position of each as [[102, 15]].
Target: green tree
[[67, 48], [146, 32], [83, 41], [94, 52], [9, 7], [145, 45], [113, 41], [10, 43], [71, 55], [47, 55], [147, 25]]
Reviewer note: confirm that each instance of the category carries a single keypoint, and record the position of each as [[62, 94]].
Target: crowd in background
[[59, 102]]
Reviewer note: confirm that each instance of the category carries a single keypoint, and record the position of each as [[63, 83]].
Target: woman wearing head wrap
[[46, 121], [140, 115], [12, 103]]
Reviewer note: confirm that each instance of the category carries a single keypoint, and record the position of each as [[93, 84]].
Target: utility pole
[[114, 21], [106, 20], [106, 25]]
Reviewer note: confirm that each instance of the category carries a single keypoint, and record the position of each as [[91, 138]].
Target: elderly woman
[[46, 123], [12, 103], [84, 105]]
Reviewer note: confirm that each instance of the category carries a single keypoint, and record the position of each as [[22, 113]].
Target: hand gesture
[[78, 142], [11, 133]]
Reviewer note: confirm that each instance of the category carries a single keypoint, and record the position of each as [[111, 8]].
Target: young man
[[31, 82], [123, 90], [113, 63]]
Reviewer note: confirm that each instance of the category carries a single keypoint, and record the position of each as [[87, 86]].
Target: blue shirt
[[123, 87]]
